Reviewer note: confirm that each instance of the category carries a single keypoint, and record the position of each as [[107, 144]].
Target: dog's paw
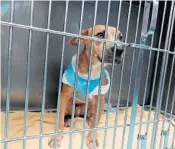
[[58, 141], [89, 141]]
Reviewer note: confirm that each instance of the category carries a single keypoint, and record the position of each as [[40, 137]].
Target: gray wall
[[20, 49]]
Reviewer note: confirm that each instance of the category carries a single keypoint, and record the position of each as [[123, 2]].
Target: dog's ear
[[74, 41]]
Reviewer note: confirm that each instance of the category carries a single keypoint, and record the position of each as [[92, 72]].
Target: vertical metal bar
[[167, 97], [162, 82], [172, 107], [89, 73], [143, 142], [144, 96], [148, 71], [145, 91], [76, 74], [145, 18], [45, 77], [138, 76], [131, 70], [166, 135], [109, 94], [110, 88], [156, 67], [122, 71], [61, 72], [28, 75], [102, 65], [116, 117], [9, 77], [173, 140], [135, 98]]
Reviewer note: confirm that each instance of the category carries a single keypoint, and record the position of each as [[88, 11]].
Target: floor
[[16, 130]]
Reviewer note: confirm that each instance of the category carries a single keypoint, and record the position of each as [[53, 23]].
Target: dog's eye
[[101, 35]]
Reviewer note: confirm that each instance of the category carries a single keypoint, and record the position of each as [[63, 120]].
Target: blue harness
[[82, 83]]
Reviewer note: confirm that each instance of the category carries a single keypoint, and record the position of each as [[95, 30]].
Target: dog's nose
[[112, 49], [117, 49], [120, 36], [119, 52]]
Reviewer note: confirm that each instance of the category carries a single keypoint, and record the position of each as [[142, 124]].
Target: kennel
[[35, 52]]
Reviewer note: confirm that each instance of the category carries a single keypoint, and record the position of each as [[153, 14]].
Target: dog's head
[[99, 32]]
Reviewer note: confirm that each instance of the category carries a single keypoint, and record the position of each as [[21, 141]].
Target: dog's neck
[[84, 64]]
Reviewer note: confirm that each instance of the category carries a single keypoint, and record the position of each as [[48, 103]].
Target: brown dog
[[68, 77]]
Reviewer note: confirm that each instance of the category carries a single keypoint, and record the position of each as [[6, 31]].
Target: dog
[[82, 78]]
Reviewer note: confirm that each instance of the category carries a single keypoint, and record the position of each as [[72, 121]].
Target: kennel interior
[[35, 51]]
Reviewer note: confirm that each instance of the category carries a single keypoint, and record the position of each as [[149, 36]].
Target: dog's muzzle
[[109, 54], [114, 52], [118, 54]]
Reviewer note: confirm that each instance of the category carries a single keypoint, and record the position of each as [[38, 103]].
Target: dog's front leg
[[65, 97], [93, 114]]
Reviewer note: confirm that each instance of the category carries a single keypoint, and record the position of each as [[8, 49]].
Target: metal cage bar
[[169, 85], [118, 23], [64, 133], [144, 136], [60, 75], [89, 68], [73, 131], [110, 89], [102, 67], [132, 65], [155, 73], [173, 140], [134, 45], [162, 77], [141, 48], [45, 76], [28, 75], [76, 68], [144, 36], [171, 113], [172, 107], [9, 77]]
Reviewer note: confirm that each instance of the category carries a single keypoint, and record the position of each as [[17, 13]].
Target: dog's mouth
[[109, 56], [109, 59]]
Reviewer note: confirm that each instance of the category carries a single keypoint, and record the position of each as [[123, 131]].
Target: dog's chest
[[95, 72], [83, 85]]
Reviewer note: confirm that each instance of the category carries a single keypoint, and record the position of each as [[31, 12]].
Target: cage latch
[[143, 139], [147, 29], [165, 133]]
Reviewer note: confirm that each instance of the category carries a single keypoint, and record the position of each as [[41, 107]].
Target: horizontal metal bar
[[54, 110], [74, 131], [161, 111], [59, 32], [139, 46]]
